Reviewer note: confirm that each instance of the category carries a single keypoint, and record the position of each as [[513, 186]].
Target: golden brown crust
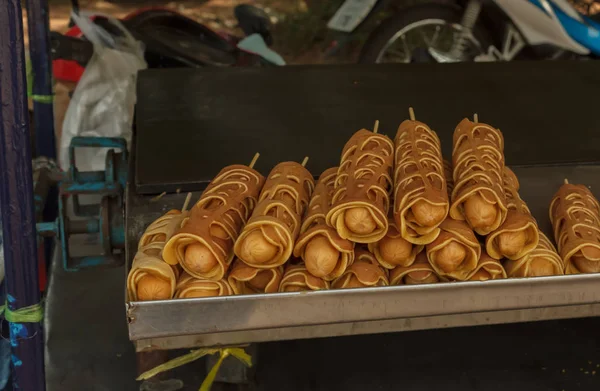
[[393, 250], [458, 236], [478, 162], [247, 280], [420, 272], [420, 193], [320, 201], [364, 272], [296, 278], [519, 234], [216, 220], [575, 217], [190, 287], [268, 239], [148, 267], [361, 199], [542, 261], [487, 268], [324, 252], [162, 229], [448, 176]]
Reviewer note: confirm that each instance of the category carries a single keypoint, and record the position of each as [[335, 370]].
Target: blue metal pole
[[41, 65], [16, 201]]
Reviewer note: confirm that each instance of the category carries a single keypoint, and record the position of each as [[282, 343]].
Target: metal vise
[[103, 218]]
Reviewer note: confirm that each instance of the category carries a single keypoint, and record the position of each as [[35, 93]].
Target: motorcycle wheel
[[413, 34]]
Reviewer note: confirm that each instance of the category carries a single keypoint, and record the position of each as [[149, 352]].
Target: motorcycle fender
[[539, 25]]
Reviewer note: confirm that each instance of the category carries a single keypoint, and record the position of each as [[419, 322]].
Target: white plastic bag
[[103, 101]]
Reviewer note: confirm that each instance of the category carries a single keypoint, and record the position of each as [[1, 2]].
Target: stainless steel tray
[[257, 318]]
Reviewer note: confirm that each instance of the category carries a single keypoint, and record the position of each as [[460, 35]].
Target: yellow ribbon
[[35, 97], [194, 355], [32, 314], [42, 98]]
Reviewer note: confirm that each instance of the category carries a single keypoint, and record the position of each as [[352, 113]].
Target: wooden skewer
[[158, 197], [254, 159], [566, 181], [376, 126], [304, 161], [411, 114], [187, 201], [475, 118]]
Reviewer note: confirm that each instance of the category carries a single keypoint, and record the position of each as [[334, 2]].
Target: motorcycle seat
[[169, 34]]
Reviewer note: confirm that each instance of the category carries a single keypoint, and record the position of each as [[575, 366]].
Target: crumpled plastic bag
[[103, 102]]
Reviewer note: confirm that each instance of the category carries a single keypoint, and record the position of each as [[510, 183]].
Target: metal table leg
[[16, 201]]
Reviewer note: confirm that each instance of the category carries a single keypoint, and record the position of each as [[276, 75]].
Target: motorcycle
[[171, 40], [475, 30]]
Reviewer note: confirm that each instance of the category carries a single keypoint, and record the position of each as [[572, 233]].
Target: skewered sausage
[[246, 279], [297, 278], [420, 193], [364, 272], [455, 252], [542, 261], [268, 239], [361, 199], [575, 216], [150, 277], [393, 250], [420, 272], [487, 268], [519, 234], [189, 287], [478, 160], [325, 254], [203, 246]]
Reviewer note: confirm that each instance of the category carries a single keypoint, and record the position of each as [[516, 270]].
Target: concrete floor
[[88, 349]]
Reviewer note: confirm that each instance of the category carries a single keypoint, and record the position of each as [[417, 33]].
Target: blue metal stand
[[16, 201], [105, 218]]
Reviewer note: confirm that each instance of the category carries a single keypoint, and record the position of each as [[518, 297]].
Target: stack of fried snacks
[[420, 194], [487, 268], [448, 176], [189, 287], [150, 277], [519, 234], [268, 239], [542, 261], [297, 278], [361, 199], [325, 254], [575, 216], [455, 252], [364, 272], [420, 272], [246, 279], [204, 244], [393, 251], [478, 161]]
